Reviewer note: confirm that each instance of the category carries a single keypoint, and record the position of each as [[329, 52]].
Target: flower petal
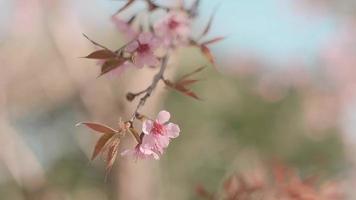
[[139, 60], [163, 117], [151, 60], [132, 47], [172, 130], [147, 126], [162, 142], [145, 38]]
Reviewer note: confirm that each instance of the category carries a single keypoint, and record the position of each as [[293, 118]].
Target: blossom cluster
[[156, 137], [149, 45]]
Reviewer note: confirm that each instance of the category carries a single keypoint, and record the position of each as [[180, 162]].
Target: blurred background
[[284, 89]]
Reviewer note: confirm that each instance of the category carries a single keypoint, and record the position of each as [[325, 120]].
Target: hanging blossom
[[157, 136], [143, 50], [124, 27], [139, 152], [174, 28]]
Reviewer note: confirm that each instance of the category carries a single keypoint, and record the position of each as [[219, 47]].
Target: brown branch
[[152, 87]]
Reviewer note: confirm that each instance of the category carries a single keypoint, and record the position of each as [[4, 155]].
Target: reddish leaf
[[217, 39], [111, 64], [188, 82], [101, 54], [181, 88], [192, 73], [208, 26], [207, 53], [100, 144], [129, 2], [112, 153], [99, 127]]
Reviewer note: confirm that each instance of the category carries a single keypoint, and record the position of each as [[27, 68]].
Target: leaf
[[98, 127], [192, 73], [109, 65], [129, 2], [193, 11], [95, 43], [188, 82], [208, 26], [214, 40], [100, 144], [181, 88], [112, 154], [151, 5], [207, 53], [101, 54]]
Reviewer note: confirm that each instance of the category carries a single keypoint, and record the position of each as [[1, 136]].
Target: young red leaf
[[188, 82], [98, 127], [95, 43], [186, 91], [207, 53], [100, 144], [112, 153], [192, 73], [101, 54], [111, 64], [181, 88], [217, 39], [208, 26]]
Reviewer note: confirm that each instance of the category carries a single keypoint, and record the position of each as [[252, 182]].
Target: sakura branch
[[166, 34]]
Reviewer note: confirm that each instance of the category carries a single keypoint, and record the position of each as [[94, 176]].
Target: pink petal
[[172, 130], [139, 60], [162, 142], [155, 43], [145, 38], [150, 60], [163, 117], [147, 126], [124, 28], [149, 153], [132, 47]]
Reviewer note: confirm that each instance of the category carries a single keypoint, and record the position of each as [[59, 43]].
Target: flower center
[[158, 128], [173, 24], [143, 48]]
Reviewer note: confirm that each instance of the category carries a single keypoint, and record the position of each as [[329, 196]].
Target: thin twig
[[152, 87]]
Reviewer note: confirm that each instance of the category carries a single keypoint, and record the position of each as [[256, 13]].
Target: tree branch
[[152, 87]]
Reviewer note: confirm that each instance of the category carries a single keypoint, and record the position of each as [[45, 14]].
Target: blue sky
[[272, 29]]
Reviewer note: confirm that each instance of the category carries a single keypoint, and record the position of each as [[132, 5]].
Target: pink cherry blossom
[[139, 152], [159, 132], [125, 28], [174, 28], [144, 50]]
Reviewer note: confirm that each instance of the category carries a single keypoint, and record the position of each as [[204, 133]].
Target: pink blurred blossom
[[139, 152], [144, 50], [124, 27], [174, 28]]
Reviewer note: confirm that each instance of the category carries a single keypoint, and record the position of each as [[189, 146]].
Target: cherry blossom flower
[[174, 28], [124, 27], [139, 152], [144, 50], [159, 132]]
